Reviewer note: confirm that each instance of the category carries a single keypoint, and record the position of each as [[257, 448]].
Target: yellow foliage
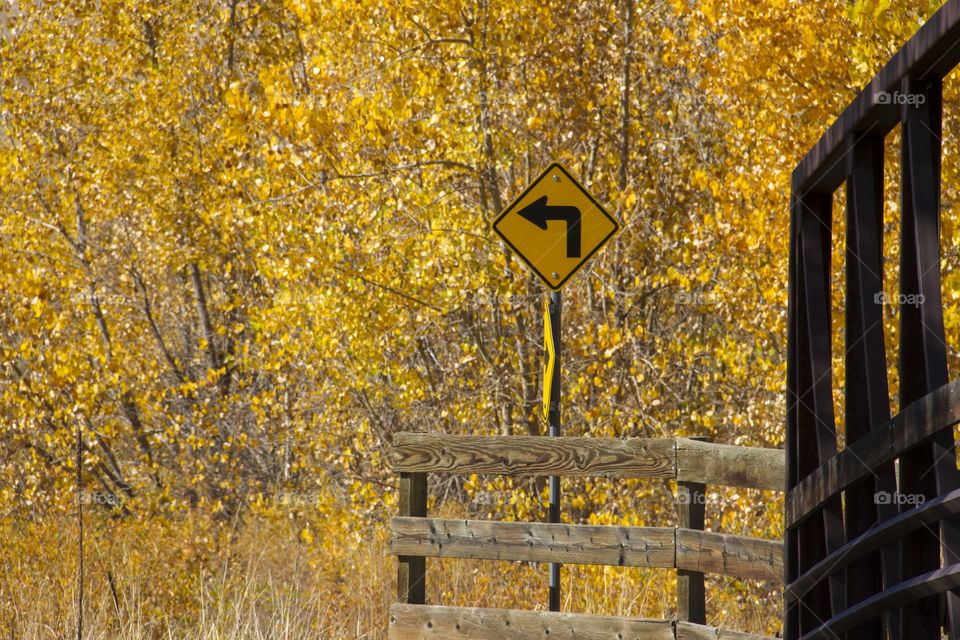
[[243, 244]]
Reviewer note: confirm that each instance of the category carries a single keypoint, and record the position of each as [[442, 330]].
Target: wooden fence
[[687, 548], [873, 531]]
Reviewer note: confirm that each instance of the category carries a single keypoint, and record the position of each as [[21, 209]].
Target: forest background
[[244, 243]]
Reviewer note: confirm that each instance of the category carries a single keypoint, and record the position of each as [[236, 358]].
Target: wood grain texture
[[535, 456], [730, 555], [681, 458], [427, 622], [411, 570], [534, 541], [691, 591], [690, 631], [413, 622], [688, 549], [925, 417], [724, 464]]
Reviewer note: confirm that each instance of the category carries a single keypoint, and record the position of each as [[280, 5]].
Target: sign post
[[555, 227], [551, 386]]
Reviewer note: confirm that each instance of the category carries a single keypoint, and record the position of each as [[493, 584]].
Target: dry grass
[[253, 582], [196, 579]]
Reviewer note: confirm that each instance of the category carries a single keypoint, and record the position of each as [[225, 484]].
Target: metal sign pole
[[554, 422], [531, 226]]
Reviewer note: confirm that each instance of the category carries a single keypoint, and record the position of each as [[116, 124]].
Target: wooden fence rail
[[687, 548], [427, 622], [663, 547], [683, 459]]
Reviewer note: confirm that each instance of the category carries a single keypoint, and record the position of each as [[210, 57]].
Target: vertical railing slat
[[929, 469], [411, 571], [691, 595], [912, 81], [791, 539], [822, 533], [866, 393]]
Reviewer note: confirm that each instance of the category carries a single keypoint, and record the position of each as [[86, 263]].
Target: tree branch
[[138, 280], [206, 326]]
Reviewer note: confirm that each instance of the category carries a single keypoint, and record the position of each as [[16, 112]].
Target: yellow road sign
[[555, 226], [551, 359]]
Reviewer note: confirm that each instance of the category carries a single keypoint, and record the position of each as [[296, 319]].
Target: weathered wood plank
[[691, 631], [420, 622], [928, 415], [683, 458], [427, 622], [529, 455], [691, 594], [534, 541], [728, 465], [730, 555], [663, 547], [411, 570]]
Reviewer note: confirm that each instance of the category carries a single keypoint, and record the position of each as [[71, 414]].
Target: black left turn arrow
[[539, 213]]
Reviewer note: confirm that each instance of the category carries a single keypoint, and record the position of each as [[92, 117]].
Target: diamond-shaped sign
[[555, 226]]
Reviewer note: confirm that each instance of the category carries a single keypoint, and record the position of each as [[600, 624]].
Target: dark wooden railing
[[688, 549], [873, 537]]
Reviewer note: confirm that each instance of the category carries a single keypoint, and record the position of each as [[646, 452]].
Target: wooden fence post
[[411, 572], [691, 596]]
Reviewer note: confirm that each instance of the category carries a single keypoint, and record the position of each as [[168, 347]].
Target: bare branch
[[206, 326], [153, 326]]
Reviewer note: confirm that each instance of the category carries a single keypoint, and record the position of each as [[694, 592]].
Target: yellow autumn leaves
[[282, 211]]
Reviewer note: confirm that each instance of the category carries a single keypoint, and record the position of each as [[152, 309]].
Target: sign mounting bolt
[[555, 275]]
